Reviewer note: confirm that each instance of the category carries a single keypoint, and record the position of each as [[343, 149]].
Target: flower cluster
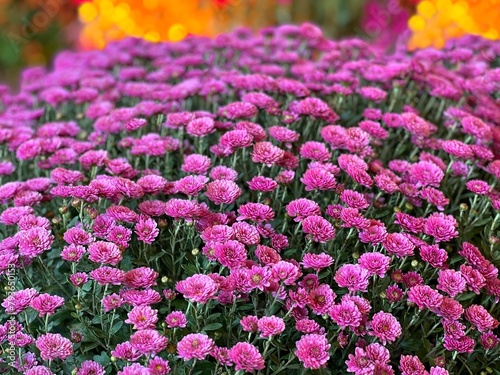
[[272, 203]]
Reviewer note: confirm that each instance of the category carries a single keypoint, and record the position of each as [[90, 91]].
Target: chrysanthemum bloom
[[424, 297], [457, 149], [158, 366], [176, 319], [234, 139], [373, 233], [246, 233], [321, 299], [146, 230], [318, 228], [46, 304], [263, 184], [238, 110], [316, 261], [411, 365], [375, 263], [440, 226], [148, 341], [152, 184], [489, 340], [197, 288], [16, 302], [270, 326], [451, 282], [266, 153], [449, 309], [221, 355], [433, 255], [312, 351], [438, 371], [141, 277], [111, 302], [353, 277], [256, 212], [72, 253], [246, 357], [301, 208], [142, 317], [346, 314], [386, 327], [478, 186], [474, 279], [53, 345], [90, 367], [222, 191], [78, 279], [461, 344], [126, 351], [196, 164], [249, 323], [481, 318], [200, 127], [107, 275], [285, 272], [426, 173], [191, 185], [318, 179], [222, 172], [394, 293], [33, 242], [77, 236], [315, 151], [182, 208], [194, 345], [104, 253], [231, 253], [283, 134], [39, 370]]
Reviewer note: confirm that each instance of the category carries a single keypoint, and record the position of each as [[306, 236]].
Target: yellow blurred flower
[[153, 20], [436, 21]]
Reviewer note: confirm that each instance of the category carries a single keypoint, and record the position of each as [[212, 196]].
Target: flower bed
[[272, 203]]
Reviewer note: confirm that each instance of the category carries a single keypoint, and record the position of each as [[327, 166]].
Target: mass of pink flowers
[[267, 203]]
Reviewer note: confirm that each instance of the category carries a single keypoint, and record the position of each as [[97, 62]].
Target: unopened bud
[[464, 206], [397, 209], [408, 206], [56, 220], [494, 240], [63, 209], [164, 279], [195, 252], [414, 263], [162, 223], [113, 358], [355, 255], [76, 202]]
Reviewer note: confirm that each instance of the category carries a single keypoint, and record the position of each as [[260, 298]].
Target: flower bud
[[408, 206], [195, 252], [76, 202], [162, 223], [494, 240], [78, 306], [91, 212], [56, 220], [397, 209], [464, 207], [355, 255], [414, 263], [63, 209], [164, 279], [113, 358], [76, 337]]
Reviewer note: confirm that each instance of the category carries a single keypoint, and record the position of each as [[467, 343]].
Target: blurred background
[[32, 31]]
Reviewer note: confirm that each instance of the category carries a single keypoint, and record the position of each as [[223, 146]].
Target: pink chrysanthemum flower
[[246, 357], [176, 319], [426, 173], [90, 368], [256, 212], [141, 277], [440, 226], [200, 127], [316, 261], [104, 253], [222, 191], [318, 179], [312, 351], [111, 302], [478, 186], [197, 288], [321, 299], [411, 365], [433, 255], [353, 277], [53, 345], [196, 164], [263, 184], [142, 317], [158, 366], [46, 304], [270, 326], [285, 272], [146, 230], [35, 241], [301, 208], [194, 345], [191, 185], [451, 282], [386, 327], [318, 229], [346, 314], [18, 301], [266, 153], [375, 263], [424, 297], [481, 318], [231, 253], [148, 341]]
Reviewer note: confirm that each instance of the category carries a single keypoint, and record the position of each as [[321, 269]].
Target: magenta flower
[[197, 288], [246, 357], [146, 230], [176, 319], [194, 345], [316, 261], [318, 229], [270, 326], [53, 345], [385, 327], [142, 317], [148, 341], [46, 304], [312, 351], [353, 277]]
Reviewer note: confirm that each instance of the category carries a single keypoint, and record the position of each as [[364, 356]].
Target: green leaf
[[212, 327], [116, 327]]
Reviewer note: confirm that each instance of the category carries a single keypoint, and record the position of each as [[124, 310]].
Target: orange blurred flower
[[153, 20], [436, 21]]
